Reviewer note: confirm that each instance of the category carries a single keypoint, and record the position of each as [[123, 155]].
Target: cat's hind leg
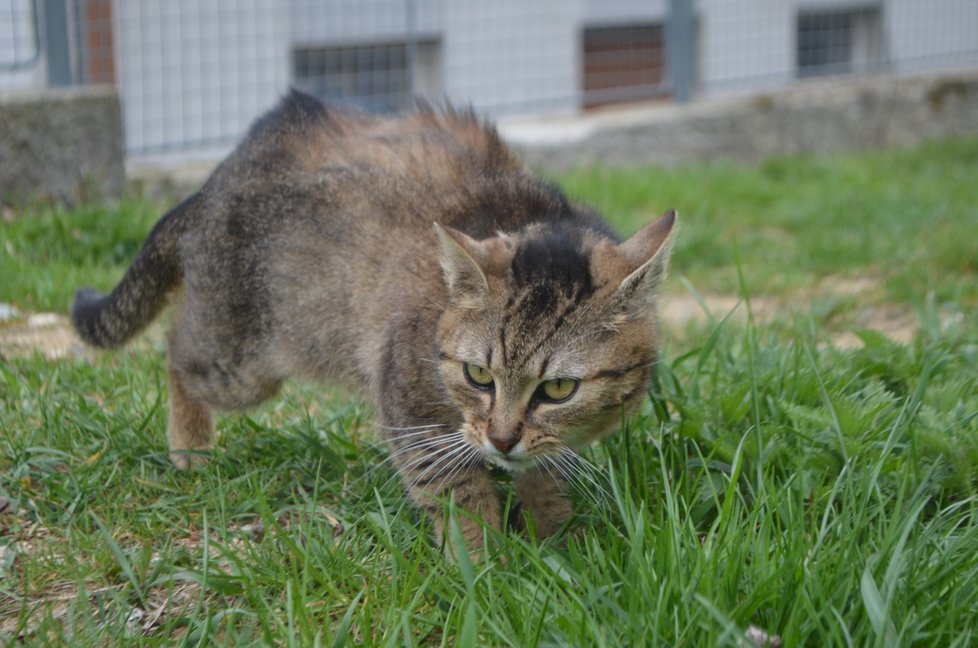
[[190, 428], [208, 372]]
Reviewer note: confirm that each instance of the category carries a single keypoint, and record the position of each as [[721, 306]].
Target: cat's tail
[[109, 321]]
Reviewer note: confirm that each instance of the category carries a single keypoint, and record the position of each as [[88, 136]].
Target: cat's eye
[[478, 376], [559, 389]]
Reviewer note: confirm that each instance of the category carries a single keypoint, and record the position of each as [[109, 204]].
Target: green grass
[[50, 251], [771, 479], [906, 218]]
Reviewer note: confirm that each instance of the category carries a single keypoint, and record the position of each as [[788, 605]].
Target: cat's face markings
[[511, 416], [548, 335]]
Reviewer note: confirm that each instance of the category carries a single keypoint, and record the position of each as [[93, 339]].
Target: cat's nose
[[503, 442]]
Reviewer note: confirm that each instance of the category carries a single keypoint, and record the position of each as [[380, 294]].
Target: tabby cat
[[414, 259]]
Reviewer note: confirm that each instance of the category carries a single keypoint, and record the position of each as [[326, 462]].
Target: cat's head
[[549, 334]]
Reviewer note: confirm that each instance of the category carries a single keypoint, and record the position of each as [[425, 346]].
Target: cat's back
[[309, 148], [315, 182], [319, 226]]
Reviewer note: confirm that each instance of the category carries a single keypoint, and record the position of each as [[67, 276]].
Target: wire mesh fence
[[192, 73], [20, 44]]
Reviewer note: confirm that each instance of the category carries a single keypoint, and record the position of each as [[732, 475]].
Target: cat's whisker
[[546, 462], [422, 444], [425, 450], [430, 426], [397, 441], [423, 454], [386, 441], [581, 465], [574, 479], [423, 447], [587, 469], [445, 461], [568, 474], [469, 457], [427, 447]]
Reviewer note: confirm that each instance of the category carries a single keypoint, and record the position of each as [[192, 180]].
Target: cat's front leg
[[431, 481], [542, 494]]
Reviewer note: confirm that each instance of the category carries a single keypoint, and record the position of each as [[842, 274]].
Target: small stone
[[134, 623], [255, 532], [761, 638], [41, 320], [7, 556]]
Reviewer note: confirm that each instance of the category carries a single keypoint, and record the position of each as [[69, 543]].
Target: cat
[[417, 261]]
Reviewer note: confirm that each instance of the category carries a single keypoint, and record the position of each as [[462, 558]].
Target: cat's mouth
[[515, 461], [509, 464]]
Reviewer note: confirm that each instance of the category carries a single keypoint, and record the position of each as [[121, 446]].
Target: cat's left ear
[[648, 252], [461, 262]]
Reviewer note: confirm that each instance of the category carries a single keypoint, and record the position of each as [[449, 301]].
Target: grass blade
[[120, 557]]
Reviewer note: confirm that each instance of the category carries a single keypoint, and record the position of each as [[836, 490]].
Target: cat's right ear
[[638, 265], [460, 258]]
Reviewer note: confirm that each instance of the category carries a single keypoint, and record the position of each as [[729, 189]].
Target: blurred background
[[192, 74]]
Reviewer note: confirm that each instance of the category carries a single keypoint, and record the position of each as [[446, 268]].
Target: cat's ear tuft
[[460, 257], [647, 251]]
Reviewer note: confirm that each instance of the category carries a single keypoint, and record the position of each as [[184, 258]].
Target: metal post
[[56, 44], [681, 49], [411, 47]]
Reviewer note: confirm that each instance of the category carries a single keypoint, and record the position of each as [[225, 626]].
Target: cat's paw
[[190, 459]]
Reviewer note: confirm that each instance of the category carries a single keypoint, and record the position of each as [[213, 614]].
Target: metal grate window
[[375, 77], [838, 42], [20, 45], [622, 63]]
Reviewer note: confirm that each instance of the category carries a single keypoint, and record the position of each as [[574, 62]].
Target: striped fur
[[383, 254]]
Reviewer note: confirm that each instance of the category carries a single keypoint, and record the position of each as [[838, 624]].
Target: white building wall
[[32, 76], [191, 71], [932, 35], [618, 12], [507, 54], [745, 44], [366, 22]]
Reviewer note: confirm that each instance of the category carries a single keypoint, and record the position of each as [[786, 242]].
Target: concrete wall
[[815, 117], [63, 145]]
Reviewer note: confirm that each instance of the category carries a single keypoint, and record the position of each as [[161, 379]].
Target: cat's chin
[[509, 465]]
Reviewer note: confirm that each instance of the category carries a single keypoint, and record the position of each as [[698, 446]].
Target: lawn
[[776, 479]]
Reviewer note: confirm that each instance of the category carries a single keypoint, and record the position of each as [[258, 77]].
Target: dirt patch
[[51, 334], [895, 321], [679, 311], [861, 298]]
